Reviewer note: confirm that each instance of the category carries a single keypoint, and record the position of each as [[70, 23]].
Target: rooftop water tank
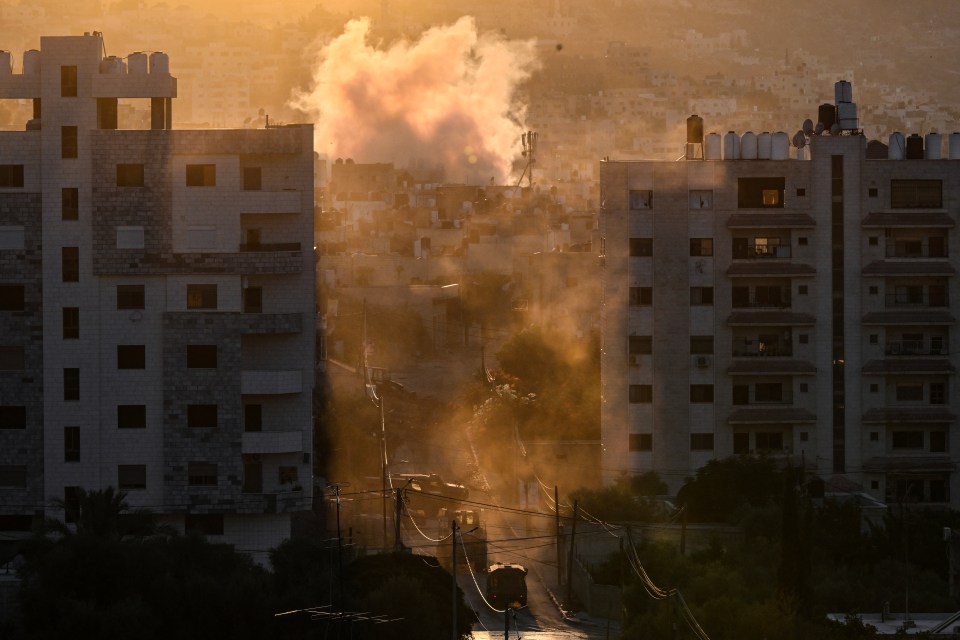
[[112, 65], [159, 62], [847, 116], [897, 148], [953, 145], [780, 146], [731, 146], [748, 146], [764, 145], [137, 63], [712, 147], [914, 147], [843, 91], [6, 63], [933, 146], [694, 130], [31, 62], [826, 115]]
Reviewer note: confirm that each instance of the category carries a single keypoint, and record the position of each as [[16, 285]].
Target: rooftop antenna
[[529, 140]]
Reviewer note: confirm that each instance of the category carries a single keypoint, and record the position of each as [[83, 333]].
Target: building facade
[[156, 303], [799, 309]]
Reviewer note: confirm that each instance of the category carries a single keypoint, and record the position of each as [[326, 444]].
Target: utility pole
[[453, 572], [506, 622], [573, 535], [556, 505], [398, 542], [683, 530], [336, 487]]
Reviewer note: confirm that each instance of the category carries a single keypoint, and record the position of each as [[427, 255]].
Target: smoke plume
[[448, 98]]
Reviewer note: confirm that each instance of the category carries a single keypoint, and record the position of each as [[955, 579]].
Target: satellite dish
[[808, 126], [800, 140], [835, 129], [819, 129]]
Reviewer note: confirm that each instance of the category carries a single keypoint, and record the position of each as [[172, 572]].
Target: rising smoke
[[448, 98]]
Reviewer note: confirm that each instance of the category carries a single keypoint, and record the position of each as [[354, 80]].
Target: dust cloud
[[448, 98]]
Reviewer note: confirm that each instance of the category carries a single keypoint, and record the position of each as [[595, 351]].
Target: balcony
[[268, 442], [909, 366], [771, 367], [934, 268], [762, 252], [263, 247], [756, 348], [931, 248], [771, 415], [271, 382], [915, 348], [917, 298], [270, 202]]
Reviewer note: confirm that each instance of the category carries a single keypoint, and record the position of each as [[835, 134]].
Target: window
[[873, 192], [12, 358], [906, 440], [741, 394], [641, 393], [11, 176], [130, 175], [760, 193], [70, 264], [916, 194], [938, 442], [701, 442], [288, 475], [130, 296], [640, 344], [68, 142], [252, 417], [702, 345], [201, 175], [71, 384], [701, 246], [253, 300], [802, 241], [12, 238], [701, 296], [641, 199], [11, 297], [13, 475], [252, 477], [131, 356], [203, 524], [13, 417], [768, 441], [804, 436], [803, 338], [131, 416], [874, 436], [130, 238], [769, 392], [21, 524], [131, 476], [938, 393], [641, 247], [68, 81], [69, 203], [909, 393], [252, 179], [701, 393], [873, 290], [873, 241], [801, 192], [202, 474], [201, 296], [202, 416], [71, 504], [741, 443], [802, 290], [202, 356], [641, 441], [804, 387], [701, 199], [874, 387], [641, 296]]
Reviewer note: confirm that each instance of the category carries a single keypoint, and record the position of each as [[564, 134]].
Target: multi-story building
[[156, 303], [796, 308]]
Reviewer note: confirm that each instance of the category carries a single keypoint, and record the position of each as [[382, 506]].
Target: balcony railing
[[762, 252], [937, 299], [762, 304], [916, 249], [269, 246], [914, 348], [755, 350]]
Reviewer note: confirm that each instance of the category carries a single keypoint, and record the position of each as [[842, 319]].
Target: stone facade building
[[157, 302]]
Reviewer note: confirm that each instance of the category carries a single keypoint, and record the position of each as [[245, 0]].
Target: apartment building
[[795, 308], [156, 303]]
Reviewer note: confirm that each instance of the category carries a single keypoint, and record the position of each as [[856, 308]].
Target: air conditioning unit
[[633, 360], [703, 362]]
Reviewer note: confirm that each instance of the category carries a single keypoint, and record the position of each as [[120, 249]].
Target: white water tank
[[897, 147], [137, 63], [112, 65], [847, 116], [31, 62], [954, 146], [764, 146], [731, 146], [780, 146], [933, 147], [842, 92], [6, 63], [748, 146], [159, 62], [712, 146]]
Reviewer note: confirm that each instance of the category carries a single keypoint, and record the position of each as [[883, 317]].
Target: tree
[[104, 514]]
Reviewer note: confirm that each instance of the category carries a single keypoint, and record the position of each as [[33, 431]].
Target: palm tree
[[105, 514]]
